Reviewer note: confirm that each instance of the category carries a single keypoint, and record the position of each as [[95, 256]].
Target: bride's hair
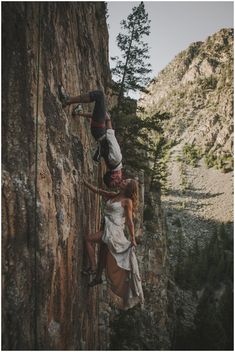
[[131, 191]]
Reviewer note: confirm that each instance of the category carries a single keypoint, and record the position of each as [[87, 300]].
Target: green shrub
[[178, 158], [210, 160], [221, 162], [192, 154], [208, 82]]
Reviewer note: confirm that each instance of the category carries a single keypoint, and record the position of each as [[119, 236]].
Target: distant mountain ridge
[[196, 89]]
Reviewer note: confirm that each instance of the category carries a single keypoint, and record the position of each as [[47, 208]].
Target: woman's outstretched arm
[[129, 221], [99, 191]]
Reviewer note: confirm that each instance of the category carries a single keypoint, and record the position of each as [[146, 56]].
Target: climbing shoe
[[63, 97], [95, 281], [97, 155], [77, 109]]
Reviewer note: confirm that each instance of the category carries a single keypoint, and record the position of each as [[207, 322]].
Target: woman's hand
[[133, 242]]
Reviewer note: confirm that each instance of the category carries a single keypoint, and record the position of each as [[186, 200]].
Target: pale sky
[[174, 25]]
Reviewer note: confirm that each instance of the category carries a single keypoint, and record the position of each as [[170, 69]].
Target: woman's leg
[[101, 259], [101, 265], [90, 240]]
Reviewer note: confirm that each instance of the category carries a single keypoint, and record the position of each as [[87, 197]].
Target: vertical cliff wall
[[45, 208]]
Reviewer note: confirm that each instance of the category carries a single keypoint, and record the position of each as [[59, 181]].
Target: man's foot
[[63, 97], [95, 281], [77, 109]]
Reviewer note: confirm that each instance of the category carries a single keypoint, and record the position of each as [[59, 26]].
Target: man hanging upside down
[[101, 130]]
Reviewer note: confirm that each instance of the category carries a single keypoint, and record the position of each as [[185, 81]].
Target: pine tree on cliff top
[[132, 69]]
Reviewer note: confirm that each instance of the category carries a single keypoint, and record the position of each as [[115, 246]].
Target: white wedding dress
[[122, 267]]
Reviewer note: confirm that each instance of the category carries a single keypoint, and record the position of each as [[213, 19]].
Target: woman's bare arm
[[99, 191], [129, 221]]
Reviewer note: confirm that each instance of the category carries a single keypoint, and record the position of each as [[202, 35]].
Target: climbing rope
[[36, 182]]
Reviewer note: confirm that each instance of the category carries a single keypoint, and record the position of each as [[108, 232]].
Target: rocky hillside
[[196, 92], [196, 89]]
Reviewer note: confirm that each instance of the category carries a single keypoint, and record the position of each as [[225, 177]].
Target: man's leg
[[99, 114], [99, 111], [84, 98], [96, 96], [98, 128], [68, 100]]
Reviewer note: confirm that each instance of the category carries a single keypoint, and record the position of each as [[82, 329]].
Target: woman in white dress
[[122, 270]]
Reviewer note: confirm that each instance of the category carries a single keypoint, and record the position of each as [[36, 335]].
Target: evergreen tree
[[141, 141], [140, 138], [132, 69]]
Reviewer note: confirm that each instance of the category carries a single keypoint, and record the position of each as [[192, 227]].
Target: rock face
[[196, 89], [46, 154], [46, 211]]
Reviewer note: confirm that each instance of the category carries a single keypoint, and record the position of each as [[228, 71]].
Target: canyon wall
[[46, 211], [45, 154]]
